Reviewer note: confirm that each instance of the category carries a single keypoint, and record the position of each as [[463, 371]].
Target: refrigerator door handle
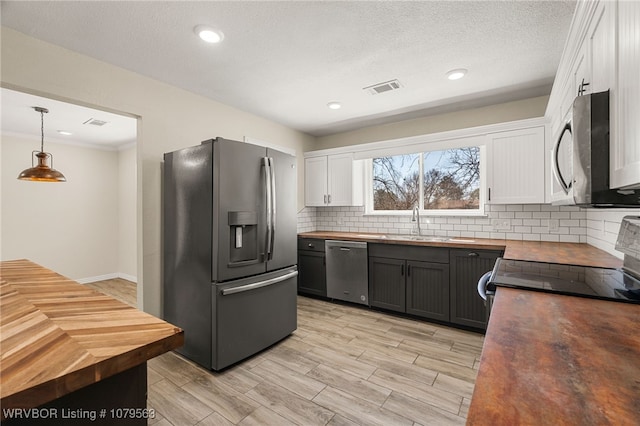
[[267, 185], [265, 283], [272, 170]]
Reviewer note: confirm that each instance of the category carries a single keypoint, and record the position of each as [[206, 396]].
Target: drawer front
[[422, 254], [311, 244]]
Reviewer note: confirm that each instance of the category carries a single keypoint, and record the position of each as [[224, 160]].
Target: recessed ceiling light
[[65, 133], [334, 105], [208, 34], [456, 74]]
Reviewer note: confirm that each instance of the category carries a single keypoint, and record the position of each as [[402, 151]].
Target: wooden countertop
[[560, 360], [536, 251], [58, 336]]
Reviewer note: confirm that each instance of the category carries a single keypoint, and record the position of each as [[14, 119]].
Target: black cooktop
[[584, 281]]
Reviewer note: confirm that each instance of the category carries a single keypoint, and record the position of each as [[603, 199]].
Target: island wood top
[[579, 254], [551, 359], [57, 336]]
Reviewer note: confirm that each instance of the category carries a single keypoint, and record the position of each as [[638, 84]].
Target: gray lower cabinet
[[410, 279], [387, 283], [466, 267], [428, 290], [312, 278]]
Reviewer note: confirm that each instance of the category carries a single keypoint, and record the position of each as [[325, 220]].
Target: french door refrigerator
[[229, 249]]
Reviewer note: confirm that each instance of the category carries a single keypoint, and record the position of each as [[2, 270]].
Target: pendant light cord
[[42, 131]]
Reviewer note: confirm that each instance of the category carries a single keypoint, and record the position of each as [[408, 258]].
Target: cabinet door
[[466, 267], [625, 135], [516, 166], [601, 39], [315, 181], [311, 273], [428, 290], [340, 169], [387, 283], [581, 72]]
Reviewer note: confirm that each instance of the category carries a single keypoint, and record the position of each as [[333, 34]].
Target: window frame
[[420, 150]]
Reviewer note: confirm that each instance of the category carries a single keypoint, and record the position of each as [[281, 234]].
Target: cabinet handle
[[489, 194], [582, 89], [408, 270], [311, 245], [402, 270], [329, 197], [473, 254], [325, 198]]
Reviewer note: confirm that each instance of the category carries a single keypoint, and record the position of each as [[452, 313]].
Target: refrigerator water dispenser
[[243, 238]]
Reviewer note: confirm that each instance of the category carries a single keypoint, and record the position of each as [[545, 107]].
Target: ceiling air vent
[[383, 87], [95, 122]]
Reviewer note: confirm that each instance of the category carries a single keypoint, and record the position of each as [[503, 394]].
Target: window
[[446, 181]]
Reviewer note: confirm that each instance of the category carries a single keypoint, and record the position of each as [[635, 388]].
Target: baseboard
[[108, 277], [128, 277], [97, 278]]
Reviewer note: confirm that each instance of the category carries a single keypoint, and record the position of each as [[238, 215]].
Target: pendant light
[[42, 172]]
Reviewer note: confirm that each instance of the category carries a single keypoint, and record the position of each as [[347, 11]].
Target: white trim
[[362, 151], [107, 277], [128, 277], [97, 278], [254, 141]]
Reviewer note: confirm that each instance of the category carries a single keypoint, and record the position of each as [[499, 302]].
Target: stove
[[584, 281], [620, 285]]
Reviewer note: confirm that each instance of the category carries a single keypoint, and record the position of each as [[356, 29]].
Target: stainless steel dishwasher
[[347, 277]]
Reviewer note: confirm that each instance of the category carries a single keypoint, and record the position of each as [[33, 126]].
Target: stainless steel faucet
[[415, 217]]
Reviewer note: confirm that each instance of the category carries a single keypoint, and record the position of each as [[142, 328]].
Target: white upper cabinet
[[601, 46], [603, 49], [625, 136], [315, 181], [333, 180], [516, 166]]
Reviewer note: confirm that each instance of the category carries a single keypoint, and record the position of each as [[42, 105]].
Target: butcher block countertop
[[58, 336], [550, 359], [535, 251]]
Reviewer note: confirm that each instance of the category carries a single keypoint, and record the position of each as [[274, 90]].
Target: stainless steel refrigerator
[[229, 249]]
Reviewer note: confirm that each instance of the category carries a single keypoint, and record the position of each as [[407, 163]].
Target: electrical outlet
[[501, 224], [554, 225]]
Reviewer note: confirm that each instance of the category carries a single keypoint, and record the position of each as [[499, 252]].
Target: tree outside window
[[450, 180]]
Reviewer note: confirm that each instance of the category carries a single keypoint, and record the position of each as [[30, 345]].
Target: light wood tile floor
[[344, 365]]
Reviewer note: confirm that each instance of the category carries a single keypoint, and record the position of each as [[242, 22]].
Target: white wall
[[71, 227], [493, 114], [170, 118], [127, 195]]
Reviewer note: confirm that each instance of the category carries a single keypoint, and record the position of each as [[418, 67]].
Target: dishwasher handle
[[345, 245]]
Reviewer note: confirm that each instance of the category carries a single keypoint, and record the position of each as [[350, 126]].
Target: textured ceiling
[[286, 60]]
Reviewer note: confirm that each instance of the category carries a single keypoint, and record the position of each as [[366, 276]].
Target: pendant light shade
[[42, 172]]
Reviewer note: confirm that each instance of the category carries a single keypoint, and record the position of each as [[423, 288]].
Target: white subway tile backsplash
[[541, 215], [598, 227]]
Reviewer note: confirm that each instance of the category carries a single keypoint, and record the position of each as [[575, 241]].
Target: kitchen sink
[[424, 238], [417, 238]]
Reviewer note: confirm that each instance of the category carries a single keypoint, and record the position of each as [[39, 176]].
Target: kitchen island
[[71, 351], [556, 359]]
